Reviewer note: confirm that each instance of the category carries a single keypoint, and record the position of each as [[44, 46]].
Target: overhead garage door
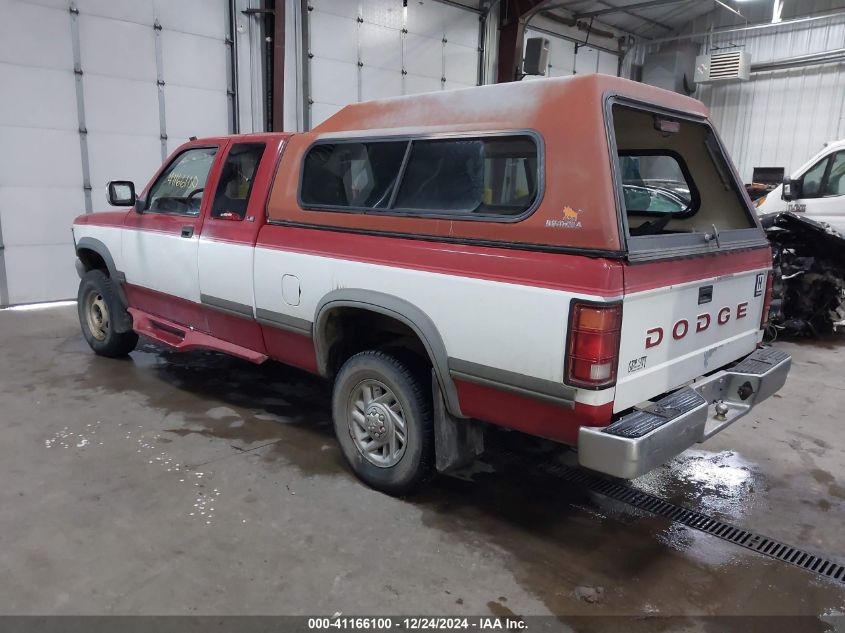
[[371, 49], [45, 178], [564, 61]]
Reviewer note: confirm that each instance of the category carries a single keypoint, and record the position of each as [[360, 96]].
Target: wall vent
[[723, 66]]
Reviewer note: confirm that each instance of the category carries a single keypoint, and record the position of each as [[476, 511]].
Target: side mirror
[[121, 193], [792, 189]]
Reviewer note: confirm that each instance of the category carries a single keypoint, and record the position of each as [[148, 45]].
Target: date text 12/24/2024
[[482, 623]]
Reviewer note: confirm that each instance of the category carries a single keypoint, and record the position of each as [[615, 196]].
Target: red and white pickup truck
[[572, 258]]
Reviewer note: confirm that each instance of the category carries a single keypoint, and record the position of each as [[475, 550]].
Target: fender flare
[[402, 311], [95, 245]]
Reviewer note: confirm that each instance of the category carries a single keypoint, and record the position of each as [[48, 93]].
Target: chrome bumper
[[652, 435]]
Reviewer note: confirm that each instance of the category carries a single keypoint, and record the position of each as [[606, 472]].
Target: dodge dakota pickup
[[571, 258]]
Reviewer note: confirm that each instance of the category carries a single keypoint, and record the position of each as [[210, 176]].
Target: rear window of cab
[[494, 177]]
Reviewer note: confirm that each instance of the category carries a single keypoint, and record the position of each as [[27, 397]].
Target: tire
[[399, 394], [96, 300]]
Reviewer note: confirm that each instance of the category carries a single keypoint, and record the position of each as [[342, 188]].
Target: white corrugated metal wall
[[120, 58], [779, 118], [371, 49]]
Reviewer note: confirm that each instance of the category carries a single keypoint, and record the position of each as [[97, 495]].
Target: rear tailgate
[[687, 317]]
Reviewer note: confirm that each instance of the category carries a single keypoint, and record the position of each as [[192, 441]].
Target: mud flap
[[457, 442], [123, 322]]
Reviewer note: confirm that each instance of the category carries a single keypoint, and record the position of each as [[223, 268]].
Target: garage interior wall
[[96, 90], [780, 117], [563, 60], [358, 50], [569, 56]]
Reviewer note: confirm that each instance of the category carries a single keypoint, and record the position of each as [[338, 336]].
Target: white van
[[816, 189]]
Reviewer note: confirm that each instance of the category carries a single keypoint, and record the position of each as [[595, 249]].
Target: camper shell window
[[493, 177], [673, 176]]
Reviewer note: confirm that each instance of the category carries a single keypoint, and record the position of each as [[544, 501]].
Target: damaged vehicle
[[816, 189], [808, 293]]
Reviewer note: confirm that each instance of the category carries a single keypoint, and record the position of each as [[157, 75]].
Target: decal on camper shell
[[570, 219]]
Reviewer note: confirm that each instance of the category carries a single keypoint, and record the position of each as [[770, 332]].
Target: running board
[[179, 338]]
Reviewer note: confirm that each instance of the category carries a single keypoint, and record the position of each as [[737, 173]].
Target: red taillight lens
[[767, 300], [593, 350]]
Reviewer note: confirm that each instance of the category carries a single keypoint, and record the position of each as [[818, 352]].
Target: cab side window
[[236, 180], [811, 183], [835, 183], [179, 189]]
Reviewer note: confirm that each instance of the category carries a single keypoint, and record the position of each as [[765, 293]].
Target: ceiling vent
[[723, 66]]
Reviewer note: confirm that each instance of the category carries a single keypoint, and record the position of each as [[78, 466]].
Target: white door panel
[[38, 215], [165, 262], [417, 83], [138, 104], [36, 96], [586, 60], [117, 49], [440, 40], [608, 64], [185, 54], [334, 82], [377, 83], [140, 11], [423, 55], [199, 17], [460, 26], [333, 37], [41, 272], [381, 47], [461, 63], [186, 118], [225, 271], [830, 210], [561, 57], [47, 46], [425, 19], [346, 8]]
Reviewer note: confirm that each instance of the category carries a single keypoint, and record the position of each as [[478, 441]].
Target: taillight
[[593, 347], [767, 300]]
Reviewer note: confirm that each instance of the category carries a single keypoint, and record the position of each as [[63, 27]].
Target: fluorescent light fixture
[[777, 9]]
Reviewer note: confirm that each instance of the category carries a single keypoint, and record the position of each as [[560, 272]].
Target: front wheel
[[97, 301], [383, 421]]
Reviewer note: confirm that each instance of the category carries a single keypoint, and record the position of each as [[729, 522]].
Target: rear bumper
[[653, 434]]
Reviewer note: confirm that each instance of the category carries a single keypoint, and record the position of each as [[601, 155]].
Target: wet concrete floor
[[201, 484]]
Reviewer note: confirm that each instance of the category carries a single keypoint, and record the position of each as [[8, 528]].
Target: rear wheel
[[97, 302], [383, 422]]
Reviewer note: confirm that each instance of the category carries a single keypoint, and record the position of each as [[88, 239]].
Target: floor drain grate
[[698, 521]]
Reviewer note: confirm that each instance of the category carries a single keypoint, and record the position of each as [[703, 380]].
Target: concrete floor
[[199, 484]]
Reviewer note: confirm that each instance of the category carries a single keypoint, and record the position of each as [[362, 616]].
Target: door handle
[[187, 231]]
